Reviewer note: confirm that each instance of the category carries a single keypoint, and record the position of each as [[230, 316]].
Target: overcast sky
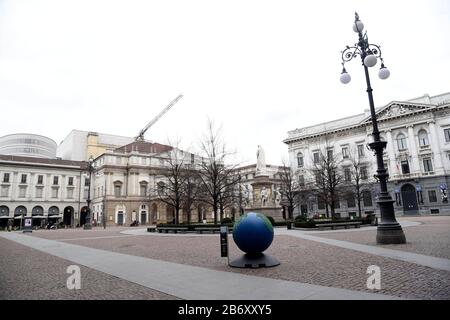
[[259, 68]]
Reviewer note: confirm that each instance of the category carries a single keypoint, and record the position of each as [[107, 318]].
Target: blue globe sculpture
[[253, 233]]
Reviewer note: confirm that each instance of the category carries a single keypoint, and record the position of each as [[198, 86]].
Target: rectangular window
[[363, 173], [23, 178], [447, 135], [347, 175], [69, 193], [6, 177], [5, 191], [432, 197], [427, 165], [405, 167], [330, 155], [55, 180], [367, 198], [143, 190], [316, 157], [40, 179], [70, 183], [39, 192], [299, 161], [22, 192], [54, 192], [86, 182], [360, 150], [350, 198], [117, 190], [345, 152]]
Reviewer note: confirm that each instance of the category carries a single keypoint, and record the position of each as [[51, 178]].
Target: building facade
[[48, 190], [28, 145], [417, 156], [81, 145]]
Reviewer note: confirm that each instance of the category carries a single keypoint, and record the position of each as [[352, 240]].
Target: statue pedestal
[[275, 212], [269, 208]]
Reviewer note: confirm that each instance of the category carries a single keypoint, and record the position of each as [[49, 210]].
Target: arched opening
[[423, 138], [19, 213], [4, 216], [38, 216], [170, 214], [53, 215], [409, 197], [143, 215], [67, 216], [154, 216], [83, 215]]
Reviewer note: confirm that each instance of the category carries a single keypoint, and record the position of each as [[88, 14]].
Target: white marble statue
[[264, 196], [260, 161], [277, 196]]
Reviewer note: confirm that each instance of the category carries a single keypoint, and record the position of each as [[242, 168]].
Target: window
[[39, 192], [55, 180], [432, 196], [5, 191], [447, 135], [427, 165], [6, 177], [405, 167], [69, 193], [363, 173], [22, 192], [23, 178], [347, 175], [86, 182], [329, 155], [320, 203], [317, 177], [300, 159], [345, 152], [401, 142], [350, 198], [301, 180], [40, 179], [367, 198], [70, 183], [143, 189], [117, 189], [55, 192], [360, 150], [423, 138], [192, 158], [316, 157]]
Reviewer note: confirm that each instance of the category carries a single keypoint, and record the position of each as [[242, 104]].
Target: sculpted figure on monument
[[264, 196], [260, 161]]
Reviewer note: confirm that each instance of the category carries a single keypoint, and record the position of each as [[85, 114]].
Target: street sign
[[443, 186], [224, 241], [418, 188], [28, 225]]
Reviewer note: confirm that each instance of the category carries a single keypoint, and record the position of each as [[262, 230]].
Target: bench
[[173, 229], [357, 224], [210, 229], [151, 229]]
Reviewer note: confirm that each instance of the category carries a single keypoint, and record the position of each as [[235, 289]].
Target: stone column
[[393, 169], [435, 147], [415, 168]]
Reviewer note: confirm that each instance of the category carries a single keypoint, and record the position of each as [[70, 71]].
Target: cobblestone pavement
[[431, 238], [26, 273], [301, 260]]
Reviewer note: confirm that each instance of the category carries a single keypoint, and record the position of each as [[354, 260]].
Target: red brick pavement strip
[[30, 274], [431, 238], [301, 260]]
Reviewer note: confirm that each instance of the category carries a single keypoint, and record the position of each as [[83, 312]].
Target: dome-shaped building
[[28, 145]]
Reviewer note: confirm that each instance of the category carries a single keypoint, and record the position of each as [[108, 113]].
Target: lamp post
[[389, 230], [87, 224]]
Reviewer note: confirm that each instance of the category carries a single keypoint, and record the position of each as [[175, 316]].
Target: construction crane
[[140, 137]]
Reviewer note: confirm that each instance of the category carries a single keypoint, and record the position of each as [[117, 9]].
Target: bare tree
[[217, 178], [328, 179], [355, 178], [192, 193], [289, 187]]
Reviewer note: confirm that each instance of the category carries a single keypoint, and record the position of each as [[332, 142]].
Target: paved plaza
[[130, 263]]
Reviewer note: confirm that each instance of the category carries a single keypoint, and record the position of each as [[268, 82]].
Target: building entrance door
[[143, 218], [120, 219], [410, 205]]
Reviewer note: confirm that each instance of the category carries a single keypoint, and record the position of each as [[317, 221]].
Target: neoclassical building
[[417, 156], [48, 190]]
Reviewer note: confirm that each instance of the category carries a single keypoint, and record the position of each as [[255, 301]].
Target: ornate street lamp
[[389, 230], [87, 224]]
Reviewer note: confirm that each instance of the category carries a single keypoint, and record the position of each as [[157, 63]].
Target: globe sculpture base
[[260, 260]]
